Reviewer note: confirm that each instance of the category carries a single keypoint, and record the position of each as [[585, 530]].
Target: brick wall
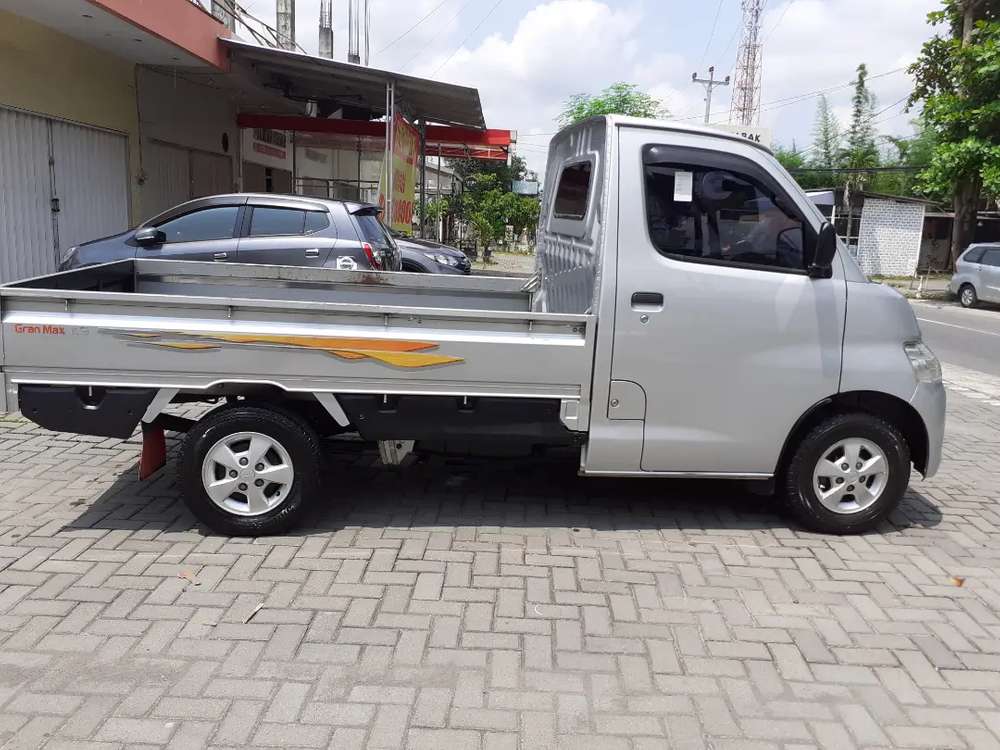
[[890, 236]]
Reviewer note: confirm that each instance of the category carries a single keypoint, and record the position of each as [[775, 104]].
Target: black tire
[[801, 498], [296, 437], [967, 296]]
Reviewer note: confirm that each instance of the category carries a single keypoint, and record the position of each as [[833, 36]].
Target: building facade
[[95, 135]]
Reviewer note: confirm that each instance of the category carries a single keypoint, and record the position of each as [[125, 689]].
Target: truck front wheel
[[250, 470], [848, 474]]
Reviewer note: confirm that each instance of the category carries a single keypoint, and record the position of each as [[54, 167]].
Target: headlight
[[925, 365], [445, 260]]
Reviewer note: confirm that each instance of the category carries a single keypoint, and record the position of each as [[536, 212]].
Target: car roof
[[276, 199]]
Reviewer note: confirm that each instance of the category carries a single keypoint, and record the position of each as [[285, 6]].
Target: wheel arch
[[892, 409]]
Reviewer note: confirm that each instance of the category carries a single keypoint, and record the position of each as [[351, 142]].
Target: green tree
[[522, 213], [485, 206], [798, 165], [826, 137], [957, 80], [616, 99], [516, 168], [434, 211], [861, 152]]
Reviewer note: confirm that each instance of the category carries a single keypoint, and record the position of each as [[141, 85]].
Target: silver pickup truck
[[692, 316]]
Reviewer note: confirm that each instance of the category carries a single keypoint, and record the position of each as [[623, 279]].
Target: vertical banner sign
[[405, 150]]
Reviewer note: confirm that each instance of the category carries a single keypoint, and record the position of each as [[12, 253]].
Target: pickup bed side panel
[[183, 337]]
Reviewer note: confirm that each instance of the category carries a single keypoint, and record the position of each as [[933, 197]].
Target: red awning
[[446, 140]]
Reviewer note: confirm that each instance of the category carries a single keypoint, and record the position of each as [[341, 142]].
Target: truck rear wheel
[[250, 470], [847, 475]]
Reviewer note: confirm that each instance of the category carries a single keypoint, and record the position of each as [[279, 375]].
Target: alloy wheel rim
[[850, 476], [967, 296], [247, 474]]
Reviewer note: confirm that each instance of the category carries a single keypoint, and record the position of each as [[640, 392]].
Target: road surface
[[967, 338]]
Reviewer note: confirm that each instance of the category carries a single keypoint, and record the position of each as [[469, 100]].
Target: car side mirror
[[148, 236], [826, 249]]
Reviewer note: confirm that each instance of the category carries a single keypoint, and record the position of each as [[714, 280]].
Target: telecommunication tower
[[746, 80]]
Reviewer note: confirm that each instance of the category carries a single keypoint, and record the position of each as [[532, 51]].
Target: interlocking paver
[[466, 604]]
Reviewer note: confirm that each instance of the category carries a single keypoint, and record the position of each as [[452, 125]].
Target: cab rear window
[[573, 192]]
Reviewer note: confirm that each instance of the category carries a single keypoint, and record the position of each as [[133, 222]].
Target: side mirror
[[826, 249], [148, 236]]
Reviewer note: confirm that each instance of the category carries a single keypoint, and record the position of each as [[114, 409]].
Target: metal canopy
[[304, 77]]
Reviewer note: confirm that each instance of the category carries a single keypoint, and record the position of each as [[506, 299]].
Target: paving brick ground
[[494, 605]]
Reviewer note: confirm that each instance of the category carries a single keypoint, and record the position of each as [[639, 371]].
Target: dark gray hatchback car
[[280, 230]]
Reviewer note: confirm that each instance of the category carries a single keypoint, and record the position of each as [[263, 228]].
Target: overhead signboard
[[761, 136], [525, 187], [405, 149], [267, 147]]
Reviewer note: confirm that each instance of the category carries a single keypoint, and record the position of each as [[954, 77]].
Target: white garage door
[[27, 243], [91, 170], [46, 206], [175, 174], [168, 178]]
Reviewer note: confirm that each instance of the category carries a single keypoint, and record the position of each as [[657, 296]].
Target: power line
[[434, 10], [781, 18], [857, 170], [467, 37], [443, 28], [796, 98], [711, 35]]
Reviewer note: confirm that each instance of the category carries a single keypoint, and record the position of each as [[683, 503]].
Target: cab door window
[[716, 215]]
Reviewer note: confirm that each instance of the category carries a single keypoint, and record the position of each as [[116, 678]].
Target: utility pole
[[709, 84]]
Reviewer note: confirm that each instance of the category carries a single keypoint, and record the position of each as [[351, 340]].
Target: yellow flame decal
[[398, 353]]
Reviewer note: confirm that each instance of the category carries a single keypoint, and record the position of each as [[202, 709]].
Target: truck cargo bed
[[194, 326]]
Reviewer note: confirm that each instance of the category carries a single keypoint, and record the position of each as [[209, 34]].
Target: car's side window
[[276, 222], [215, 223], [975, 255], [991, 257], [316, 221], [721, 216]]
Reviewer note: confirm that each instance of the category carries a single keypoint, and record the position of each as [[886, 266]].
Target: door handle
[[220, 256], [312, 253], [647, 300]]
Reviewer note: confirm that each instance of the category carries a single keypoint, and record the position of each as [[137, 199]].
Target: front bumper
[[459, 270], [929, 400]]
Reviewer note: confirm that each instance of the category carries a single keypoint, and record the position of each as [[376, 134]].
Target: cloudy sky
[[526, 57]]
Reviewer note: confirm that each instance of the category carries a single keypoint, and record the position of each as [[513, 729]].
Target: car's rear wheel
[[967, 296], [847, 475], [250, 470]]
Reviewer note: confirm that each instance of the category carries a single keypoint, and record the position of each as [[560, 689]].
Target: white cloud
[[819, 43], [557, 48]]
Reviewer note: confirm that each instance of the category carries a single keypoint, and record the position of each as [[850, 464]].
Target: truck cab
[[725, 339]]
